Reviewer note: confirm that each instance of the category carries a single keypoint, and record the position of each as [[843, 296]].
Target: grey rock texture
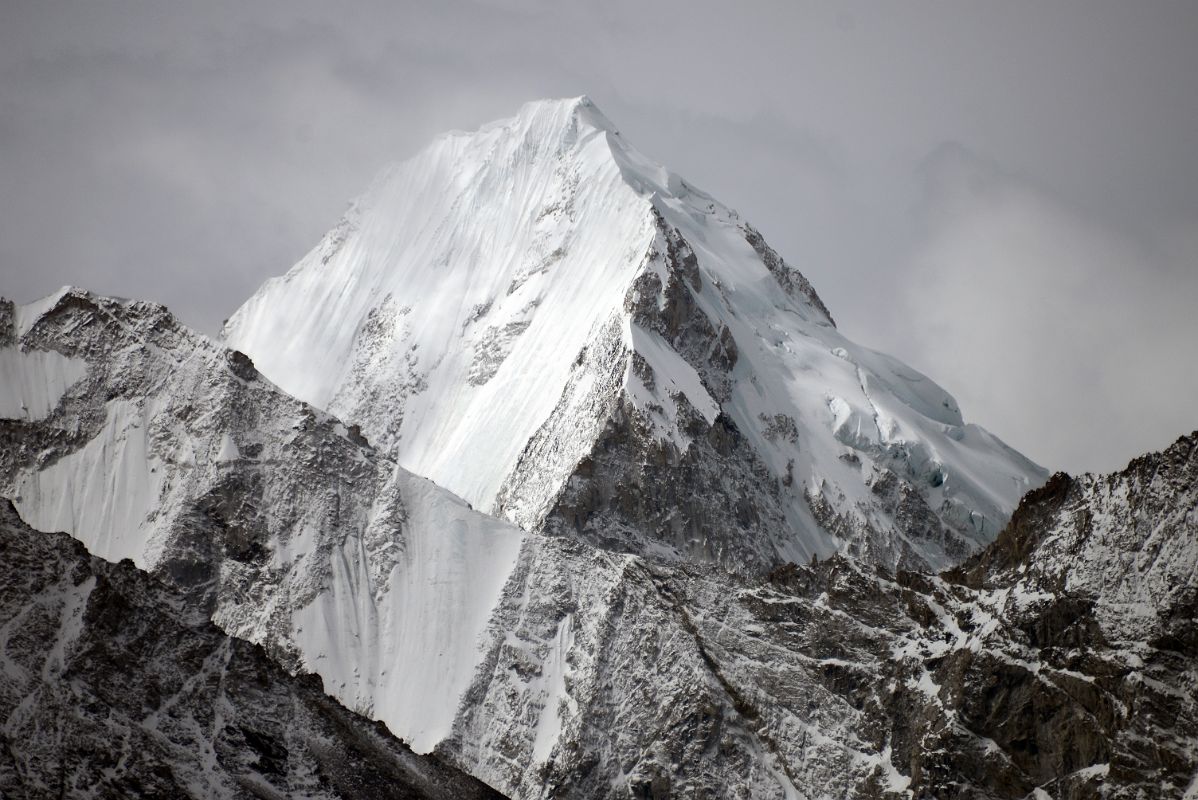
[[113, 685], [1097, 576], [176, 453], [1058, 663]]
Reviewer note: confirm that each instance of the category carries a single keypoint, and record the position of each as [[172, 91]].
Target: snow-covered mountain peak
[[546, 119], [26, 314], [535, 313]]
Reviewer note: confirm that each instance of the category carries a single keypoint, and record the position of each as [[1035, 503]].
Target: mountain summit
[[568, 335]]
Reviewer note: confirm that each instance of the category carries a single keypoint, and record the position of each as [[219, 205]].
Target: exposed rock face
[[570, 336], [659, 470], [667, 682], [1098, 577], [112, 685], [1059, 661]]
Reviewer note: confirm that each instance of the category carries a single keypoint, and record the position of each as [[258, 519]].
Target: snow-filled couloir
[[564, 333]]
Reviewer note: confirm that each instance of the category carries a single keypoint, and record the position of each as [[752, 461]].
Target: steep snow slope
[[111, 686], [31, 384], [435, 281], [511, 306], [173, 452], [418, 637]]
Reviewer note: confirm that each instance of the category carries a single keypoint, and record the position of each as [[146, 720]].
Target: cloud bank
[[186, 152], [1074, 342]]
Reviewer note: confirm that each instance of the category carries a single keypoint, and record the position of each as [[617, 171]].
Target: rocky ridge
[[113, 685], [282, 523], [1058, 663]]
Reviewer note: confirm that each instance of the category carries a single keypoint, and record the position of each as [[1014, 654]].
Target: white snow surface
[[33, 381], [228, 450], [102, 494], [506, 246], [444, 312], [406, 651], [29, 313]]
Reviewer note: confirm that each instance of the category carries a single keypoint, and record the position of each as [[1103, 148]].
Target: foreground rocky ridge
[[1098, 577], [115, 686], [1058, 663], [572, 337]]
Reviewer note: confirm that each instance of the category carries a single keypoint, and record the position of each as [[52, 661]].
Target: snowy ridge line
[[295, 533]]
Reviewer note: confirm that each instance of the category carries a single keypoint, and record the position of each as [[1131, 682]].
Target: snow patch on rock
[[33, 381], [105, 493]]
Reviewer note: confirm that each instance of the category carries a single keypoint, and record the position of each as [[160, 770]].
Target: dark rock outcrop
[[113, 686]]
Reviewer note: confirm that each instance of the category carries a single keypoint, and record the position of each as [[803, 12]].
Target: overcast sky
[[1003, 194]]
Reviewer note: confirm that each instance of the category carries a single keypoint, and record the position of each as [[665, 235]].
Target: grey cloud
[[1072, 341], [186, 151]]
